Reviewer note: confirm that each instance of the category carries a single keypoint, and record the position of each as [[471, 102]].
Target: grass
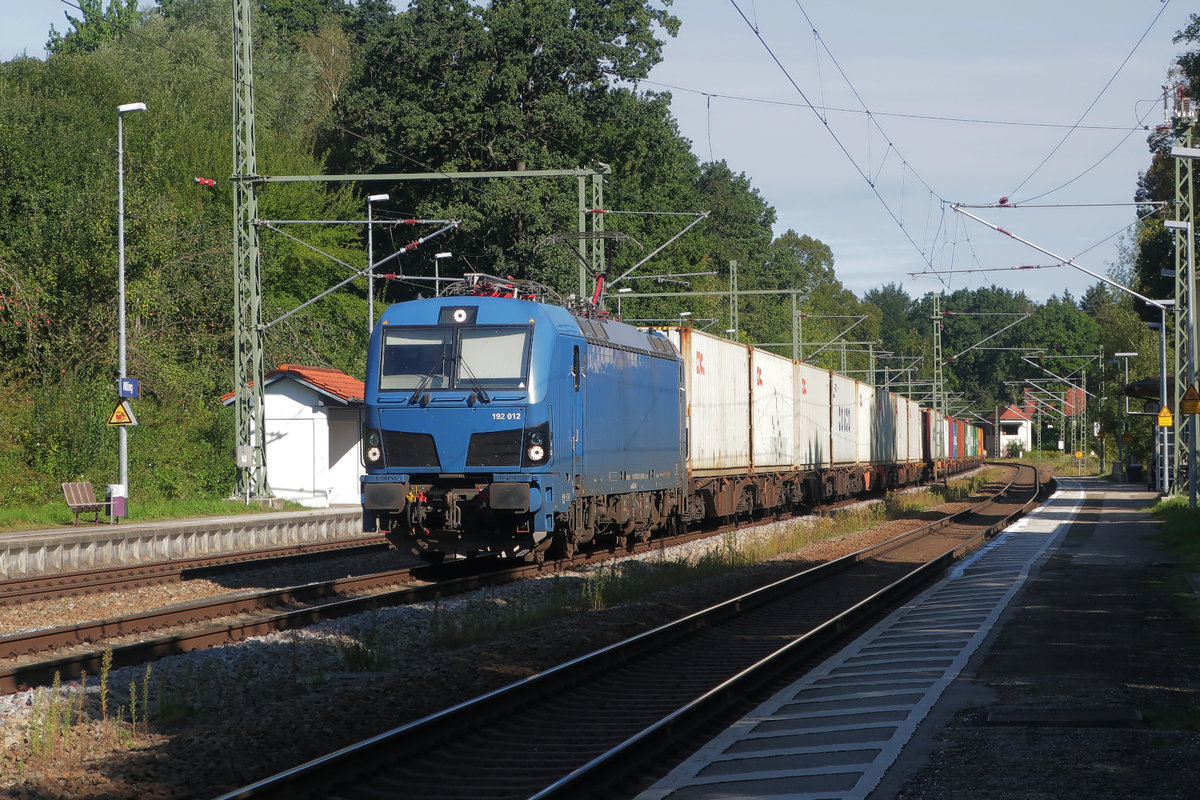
[[1179, 534], [1063, 463], [485, 619], [57, 515], [64, 726]]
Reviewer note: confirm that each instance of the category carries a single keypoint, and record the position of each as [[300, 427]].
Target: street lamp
[[1161, 431], [621, 291], [122, 434], [371, 200], [437, 272]]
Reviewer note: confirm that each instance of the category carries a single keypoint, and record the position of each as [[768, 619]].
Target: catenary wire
[[1088, 110]]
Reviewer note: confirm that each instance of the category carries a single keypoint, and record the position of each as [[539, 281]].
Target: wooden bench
[[81, 499]]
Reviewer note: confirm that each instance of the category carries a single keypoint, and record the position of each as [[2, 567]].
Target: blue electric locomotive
[[496, 425]]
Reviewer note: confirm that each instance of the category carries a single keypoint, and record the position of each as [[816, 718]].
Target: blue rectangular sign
[[128, 387]]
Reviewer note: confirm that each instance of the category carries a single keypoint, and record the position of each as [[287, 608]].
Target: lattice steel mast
[[248, 372], [1182, 118]]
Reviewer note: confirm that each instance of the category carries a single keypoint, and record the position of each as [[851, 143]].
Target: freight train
[[497, 424]]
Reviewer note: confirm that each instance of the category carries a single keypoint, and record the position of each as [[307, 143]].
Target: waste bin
[[116, 497], [1135, 473]]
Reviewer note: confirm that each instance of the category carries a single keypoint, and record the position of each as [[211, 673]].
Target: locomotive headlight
[[372, 447], [537, 445]]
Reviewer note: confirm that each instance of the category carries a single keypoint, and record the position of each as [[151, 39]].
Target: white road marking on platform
[[834, 733]]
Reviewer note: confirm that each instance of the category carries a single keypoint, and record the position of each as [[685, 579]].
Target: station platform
[[27, 554], [1052, 663]]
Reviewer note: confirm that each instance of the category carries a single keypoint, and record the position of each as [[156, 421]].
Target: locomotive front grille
[[495, 449], [410, 449]]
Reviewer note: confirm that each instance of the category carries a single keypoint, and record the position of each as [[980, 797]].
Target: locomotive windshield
[[491, 357]]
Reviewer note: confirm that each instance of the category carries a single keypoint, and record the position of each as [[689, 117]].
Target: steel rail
[[69, 584], [592, 778], [222, 630]]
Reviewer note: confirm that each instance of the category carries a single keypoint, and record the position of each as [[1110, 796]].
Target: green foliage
[[58, 248], [340, 87], [97, 27]]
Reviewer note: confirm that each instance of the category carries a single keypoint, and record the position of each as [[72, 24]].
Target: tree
[[58, 250], [458, 87], [98, 26]]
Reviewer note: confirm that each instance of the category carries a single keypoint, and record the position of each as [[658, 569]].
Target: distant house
[[312, 435], [1016, 425]]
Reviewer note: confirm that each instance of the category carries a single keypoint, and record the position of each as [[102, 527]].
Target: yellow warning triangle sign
[[1165, 418], [122, 415], [1190, 402]]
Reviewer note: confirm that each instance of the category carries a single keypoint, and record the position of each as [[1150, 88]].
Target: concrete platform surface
[[1061, 628], [25, 554]]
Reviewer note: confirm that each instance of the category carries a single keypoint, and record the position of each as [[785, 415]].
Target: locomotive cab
[[463, 426]]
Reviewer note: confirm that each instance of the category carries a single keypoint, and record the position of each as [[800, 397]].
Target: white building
[[312, 435], [1016, 426]]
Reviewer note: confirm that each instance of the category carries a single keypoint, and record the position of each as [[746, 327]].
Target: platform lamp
[[371, 201], [683, 315], [621, 291], [122, 434], [1160, 431], [437, 272]]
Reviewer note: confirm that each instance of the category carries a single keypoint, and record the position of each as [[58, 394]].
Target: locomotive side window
[[493, 357], [414, 357]]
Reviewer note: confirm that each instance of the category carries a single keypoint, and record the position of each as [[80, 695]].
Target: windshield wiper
[[412, 398], [479, 390]]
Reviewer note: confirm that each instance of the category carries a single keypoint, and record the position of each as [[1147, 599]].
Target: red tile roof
[[1013, 412], [332, 382]]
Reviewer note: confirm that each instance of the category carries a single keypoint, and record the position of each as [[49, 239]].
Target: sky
[[864, 123]]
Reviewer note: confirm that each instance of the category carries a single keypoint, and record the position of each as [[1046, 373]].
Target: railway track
[[123, 578], [594, 726], [35, 657]]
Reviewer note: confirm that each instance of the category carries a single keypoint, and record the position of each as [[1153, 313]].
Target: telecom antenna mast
[[248, 373]]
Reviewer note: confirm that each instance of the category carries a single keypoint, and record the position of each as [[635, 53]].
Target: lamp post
[[621, 291], [122, 434], [437, 272], [371, 200], [1161, 431]]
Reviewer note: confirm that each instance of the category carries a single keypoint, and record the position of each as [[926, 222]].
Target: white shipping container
[[913, 451], [940, 427], [718, 412], [885, 440], [872, 436], [843, 400], [773, 428], [811, 389], [900, 428]]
